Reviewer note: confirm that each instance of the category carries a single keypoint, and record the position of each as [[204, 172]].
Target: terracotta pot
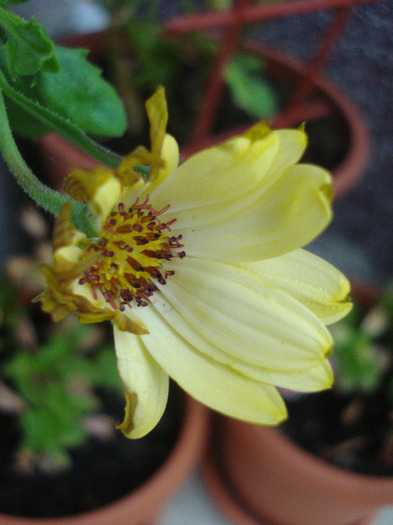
[[257, 474], [61, 157], [143, 505]]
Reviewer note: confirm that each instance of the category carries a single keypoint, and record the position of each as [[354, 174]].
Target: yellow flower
[[201, 271]]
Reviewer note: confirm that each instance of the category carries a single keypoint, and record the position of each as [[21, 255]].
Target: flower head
[[202, 273]]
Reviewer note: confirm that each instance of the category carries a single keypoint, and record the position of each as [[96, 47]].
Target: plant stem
[[43, 196], [65, 128]]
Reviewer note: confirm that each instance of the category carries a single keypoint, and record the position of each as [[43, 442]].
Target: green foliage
[[58, 381], [27, 46], [57, 384], [35, 72], [75, 93], [359, 363], [363, 353], [249, 88], [158, 59]]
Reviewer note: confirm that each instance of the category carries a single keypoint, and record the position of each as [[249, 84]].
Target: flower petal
[[163, 146], [244, 318], [146, 385], [219, 174], [157, 112], [202, 188], [212, 383], [99, 187], [311, 380], [307, 380], [309, 279], [267, 224]]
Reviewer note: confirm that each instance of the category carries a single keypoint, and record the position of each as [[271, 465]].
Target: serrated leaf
[[78, 92], [249, 89], [28, 46], [30, 108]]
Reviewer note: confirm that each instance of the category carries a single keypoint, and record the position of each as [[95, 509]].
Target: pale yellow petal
[[208, 186], [219, 174], [207, 380], [309, 380], [145, 382], [290, 214], [306, 380], [309, 279], [244, 318]]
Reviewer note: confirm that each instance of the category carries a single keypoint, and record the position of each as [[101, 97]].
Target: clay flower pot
[[258, 476], [142, 506]]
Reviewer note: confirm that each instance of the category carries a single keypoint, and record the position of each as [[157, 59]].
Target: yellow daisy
[[201, 271]]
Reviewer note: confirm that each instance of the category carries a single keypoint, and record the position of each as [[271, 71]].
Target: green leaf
[[249, 89], [74, 99], [28, 46], [359, 363], [79, 93], [51, 121]]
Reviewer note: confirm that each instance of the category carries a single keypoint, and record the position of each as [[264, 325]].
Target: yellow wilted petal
[[99, 187], [157, 112], [146, 385], [170, 160], [64, 233]]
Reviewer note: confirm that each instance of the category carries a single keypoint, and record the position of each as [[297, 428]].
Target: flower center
[[130, 254]]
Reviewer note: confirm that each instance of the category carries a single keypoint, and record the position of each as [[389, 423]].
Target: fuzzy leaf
[[28, 46], [79, 93]]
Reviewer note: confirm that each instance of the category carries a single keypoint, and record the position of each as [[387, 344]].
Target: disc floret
[[130, 256]]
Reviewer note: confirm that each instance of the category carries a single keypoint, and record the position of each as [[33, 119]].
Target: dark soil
[[102, 472], [352, 432]]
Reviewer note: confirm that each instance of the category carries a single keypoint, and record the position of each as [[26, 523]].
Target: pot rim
[[364, 487]]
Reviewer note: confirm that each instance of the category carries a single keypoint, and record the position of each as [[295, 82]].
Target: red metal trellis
[[231, 23]]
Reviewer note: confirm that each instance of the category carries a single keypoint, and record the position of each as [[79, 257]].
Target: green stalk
[[41, 194]]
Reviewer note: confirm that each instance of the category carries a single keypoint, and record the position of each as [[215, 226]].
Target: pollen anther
[[122, 279]]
